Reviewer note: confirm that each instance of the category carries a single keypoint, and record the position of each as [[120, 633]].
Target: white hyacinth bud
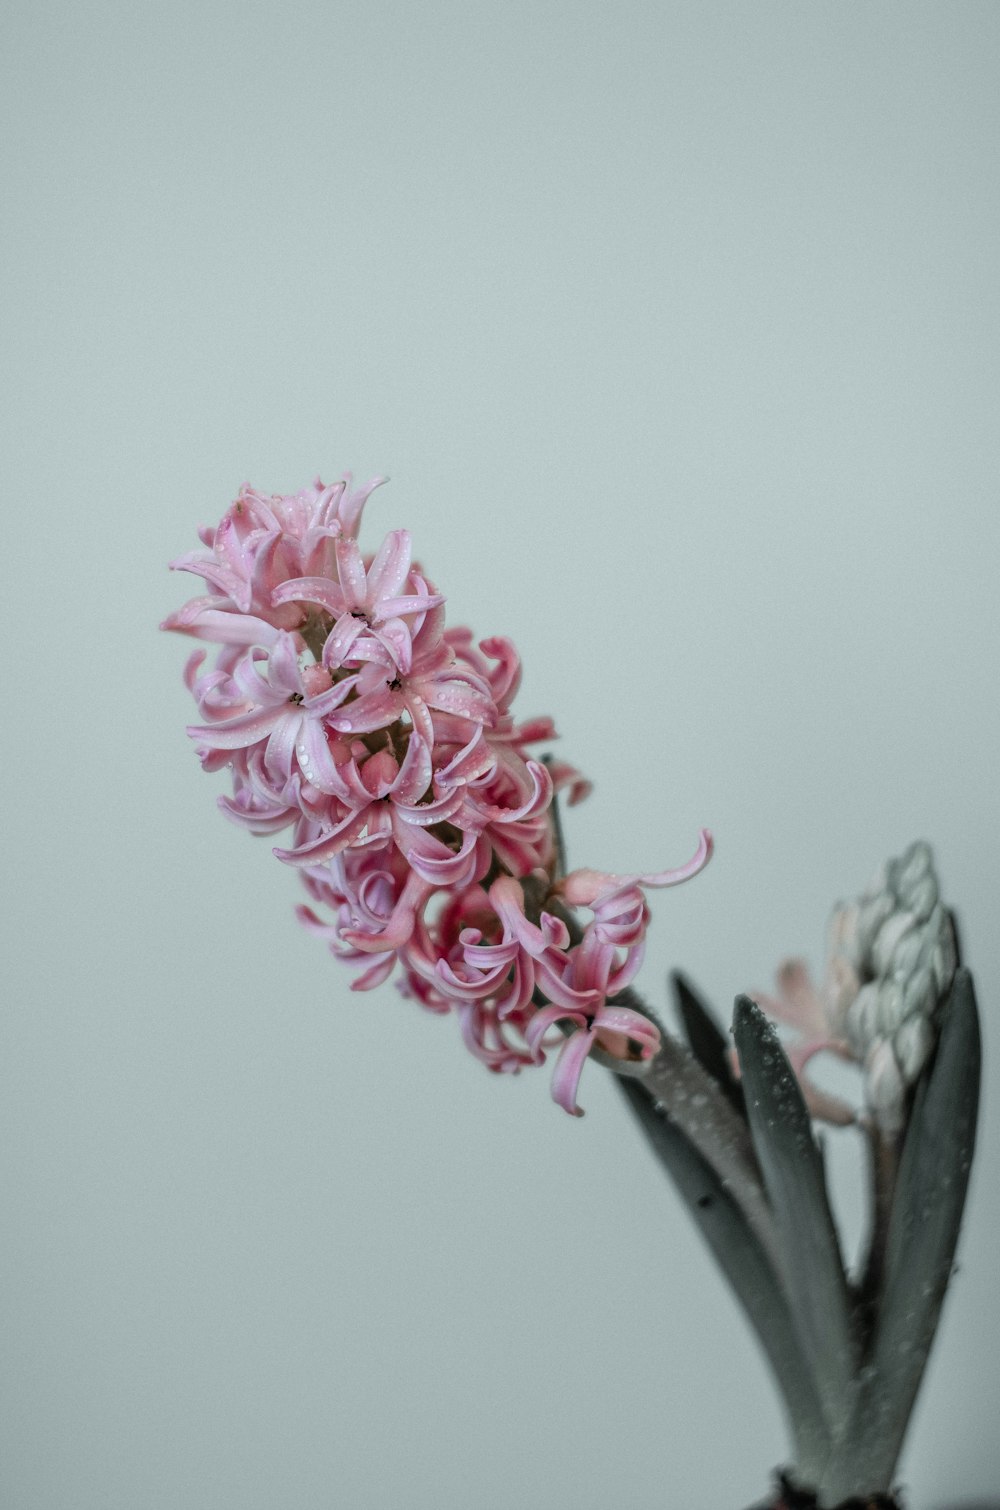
[[895, 946], [884, 1085]]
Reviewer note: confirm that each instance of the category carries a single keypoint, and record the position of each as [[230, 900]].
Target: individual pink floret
[[261, 542]]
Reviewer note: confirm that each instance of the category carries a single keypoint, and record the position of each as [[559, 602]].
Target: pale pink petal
[[349, 511], [582, 888], [378, 973], [434, 861], [506, 679], [317, 763], [280, 750], [472, 762], [414, 774], [544, 1020], [459, 698], [325, 702], [569, 1067], [374, 710], [426, 814], [351, 569], [320, 590], [389, 570], [340, 640], [223, 628], [697, 862], [410, 603], [327, 845], [238, 733], [395, 637], [328, 505], [633, 1025], [283, 666]]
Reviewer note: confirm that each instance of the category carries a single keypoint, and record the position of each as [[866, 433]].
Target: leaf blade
[[812, 1269], [923, 1234], [748, 1269], [707, 1041]]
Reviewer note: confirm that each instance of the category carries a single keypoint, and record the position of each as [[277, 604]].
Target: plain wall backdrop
[[676, 327]]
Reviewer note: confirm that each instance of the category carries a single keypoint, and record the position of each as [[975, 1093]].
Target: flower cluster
[[891, 961], [347, 712]]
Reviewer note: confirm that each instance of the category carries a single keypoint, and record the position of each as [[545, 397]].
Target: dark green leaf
[[813, 1273], [923, 1233], [709, 1044], [747, 1268]]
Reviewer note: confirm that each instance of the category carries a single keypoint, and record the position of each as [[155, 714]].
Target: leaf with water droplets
[[792, 1166], [920, 1247], [707, 1040], [746, 1266]]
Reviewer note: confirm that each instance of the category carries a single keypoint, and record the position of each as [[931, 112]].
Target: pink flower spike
[[383, 745]]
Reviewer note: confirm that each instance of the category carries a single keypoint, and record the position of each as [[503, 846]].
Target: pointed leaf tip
[[746, 1013], [708, 1042]]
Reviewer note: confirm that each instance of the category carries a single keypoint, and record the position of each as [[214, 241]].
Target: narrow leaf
[[923, 1233], [747, 1268], [813, 1272], [692, 1099], [709, 1044]]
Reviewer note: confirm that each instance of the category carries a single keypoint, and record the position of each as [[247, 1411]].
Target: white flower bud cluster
[[892, 960]]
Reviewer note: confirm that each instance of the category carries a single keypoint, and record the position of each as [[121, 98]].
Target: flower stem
[[883, 1154]]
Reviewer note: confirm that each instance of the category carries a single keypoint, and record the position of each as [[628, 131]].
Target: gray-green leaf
[[707, 1040], [813, 1272], [923, 1232], [747, 1268]]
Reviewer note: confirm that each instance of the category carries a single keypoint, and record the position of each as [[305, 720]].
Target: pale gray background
[[677, 329]]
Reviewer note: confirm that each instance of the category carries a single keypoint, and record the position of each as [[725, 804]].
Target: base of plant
[[790, 1496]]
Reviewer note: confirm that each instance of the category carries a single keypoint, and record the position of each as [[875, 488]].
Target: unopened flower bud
[[884, 1084], [896, 941], [912, 1044], [891, 1007], [889, 937], [891, 961], [862, 1019]]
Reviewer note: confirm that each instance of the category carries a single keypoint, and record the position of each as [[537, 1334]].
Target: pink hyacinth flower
[[609, 1025], [261, 542], [286, 707], [364, 602]]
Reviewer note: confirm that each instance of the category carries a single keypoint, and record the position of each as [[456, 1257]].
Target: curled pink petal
[[569, 1067], [581, 888]]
